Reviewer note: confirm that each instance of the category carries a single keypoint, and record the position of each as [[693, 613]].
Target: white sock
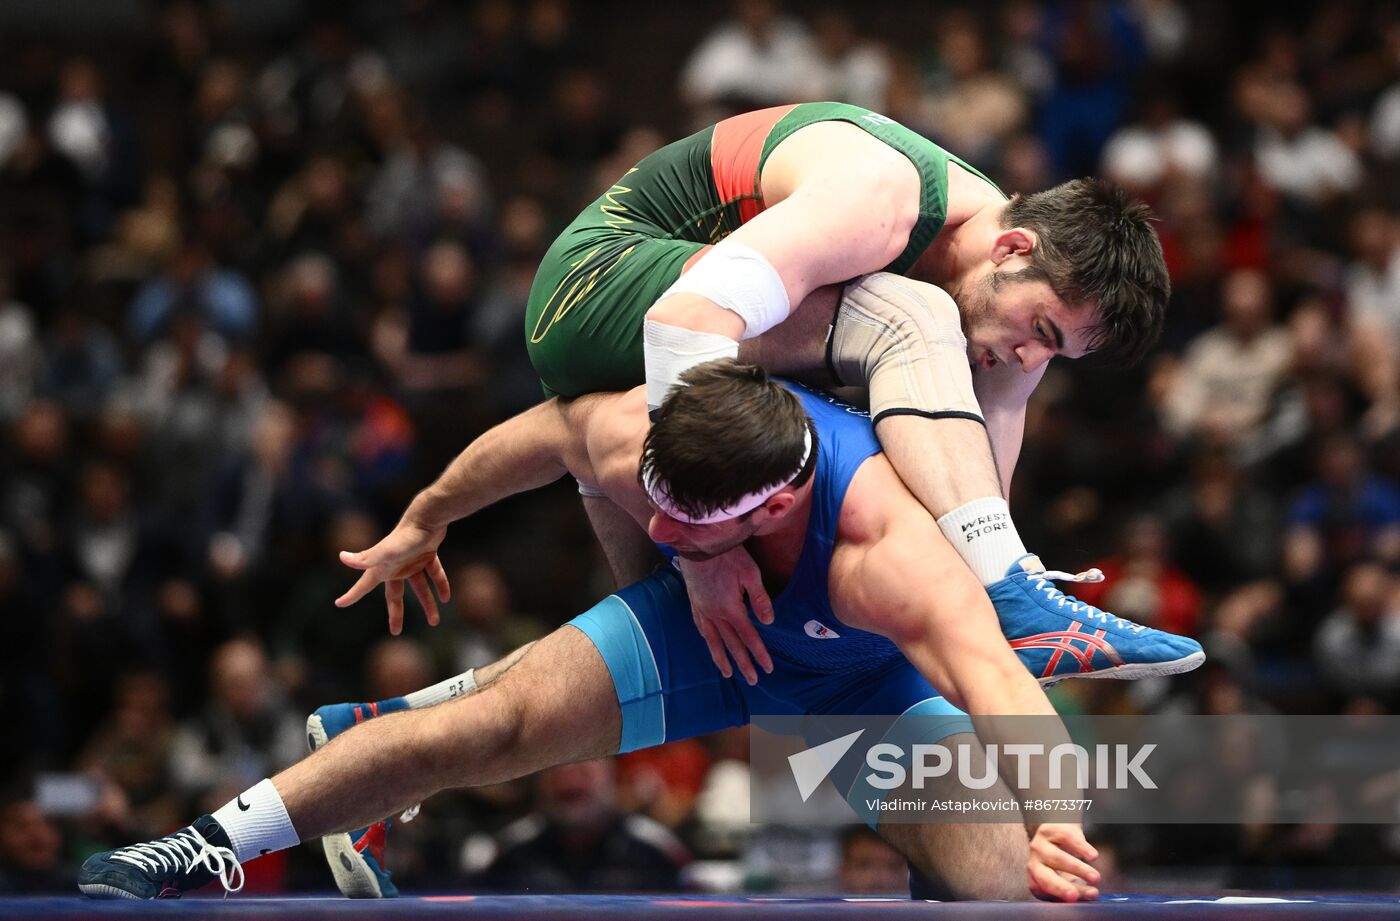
[[256, 822], [985, 537], [464, 683]]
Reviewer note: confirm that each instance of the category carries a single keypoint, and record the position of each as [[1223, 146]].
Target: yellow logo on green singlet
[[586, 273]]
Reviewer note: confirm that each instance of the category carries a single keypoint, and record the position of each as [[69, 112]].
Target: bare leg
[[556, 705], [489, 674], [974, 860], [630, 553], [945, 463]]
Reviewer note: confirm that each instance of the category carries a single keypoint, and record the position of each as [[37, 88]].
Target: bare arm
[[840, 204], [894, 574], [524, 452]]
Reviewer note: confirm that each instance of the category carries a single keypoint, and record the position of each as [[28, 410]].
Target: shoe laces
[[180, 852], [1044, 582]]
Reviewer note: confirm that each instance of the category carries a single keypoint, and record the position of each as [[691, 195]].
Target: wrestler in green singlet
[[583, 325]]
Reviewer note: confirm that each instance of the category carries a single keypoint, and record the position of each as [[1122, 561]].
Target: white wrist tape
[[738, 278], [671, 350]]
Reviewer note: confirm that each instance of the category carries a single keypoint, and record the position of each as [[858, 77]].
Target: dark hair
[[730, 430], [1096, 244]]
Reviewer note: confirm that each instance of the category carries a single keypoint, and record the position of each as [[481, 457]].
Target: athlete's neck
[[779, 547], [952, 261]]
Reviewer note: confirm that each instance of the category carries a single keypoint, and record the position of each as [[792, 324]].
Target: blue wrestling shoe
[[166, 868], [357, 863], [330, 721], [1058, 636], [356, 859]]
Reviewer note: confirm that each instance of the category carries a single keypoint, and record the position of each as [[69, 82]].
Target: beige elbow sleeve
[[903, 339]]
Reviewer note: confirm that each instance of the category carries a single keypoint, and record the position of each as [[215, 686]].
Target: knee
[[911, 312], [487, 724]]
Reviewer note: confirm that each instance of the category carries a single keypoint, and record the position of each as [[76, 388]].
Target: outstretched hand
[[407, 554], [1057, 865], [717, 590]]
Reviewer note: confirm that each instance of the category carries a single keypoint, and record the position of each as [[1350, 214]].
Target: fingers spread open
[[362, 587]]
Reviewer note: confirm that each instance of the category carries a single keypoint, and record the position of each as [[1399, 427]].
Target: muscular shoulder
[[609, 429], [833, 156], [876, 503], [889, 553]]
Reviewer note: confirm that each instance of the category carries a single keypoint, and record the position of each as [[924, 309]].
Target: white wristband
[[738, 278], [672, 350]]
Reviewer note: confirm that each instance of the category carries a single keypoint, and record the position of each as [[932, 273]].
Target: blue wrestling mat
[[702, 908]]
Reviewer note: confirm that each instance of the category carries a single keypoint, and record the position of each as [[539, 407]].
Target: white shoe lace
[[1044, 583], [411, 813], [178, 853]]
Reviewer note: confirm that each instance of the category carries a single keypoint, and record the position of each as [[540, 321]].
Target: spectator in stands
[[132, 749], [1357, 647], [488, 626], [970, 108], [193, 282], [1345, 515], [31, 851], [1162, 146], [1223, 527], [869, 865], [1230, 373], [1144, 583], [853, 69], [758, 58], [578, 841], [247, 729]]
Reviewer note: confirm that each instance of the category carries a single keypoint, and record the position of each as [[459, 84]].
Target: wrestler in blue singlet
[[667, 685]]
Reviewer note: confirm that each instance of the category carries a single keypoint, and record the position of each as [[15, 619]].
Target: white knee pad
[[904, 340]]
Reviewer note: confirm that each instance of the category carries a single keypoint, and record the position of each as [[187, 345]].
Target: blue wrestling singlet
[[668, 687]]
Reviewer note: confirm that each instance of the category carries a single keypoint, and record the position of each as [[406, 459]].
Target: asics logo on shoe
[[1064, 642], [820, 631]]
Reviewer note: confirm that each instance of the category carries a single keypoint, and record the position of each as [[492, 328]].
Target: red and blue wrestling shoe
[[356, 859], [1058, 636]]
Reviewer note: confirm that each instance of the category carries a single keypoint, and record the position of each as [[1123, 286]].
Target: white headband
[[741, 506]]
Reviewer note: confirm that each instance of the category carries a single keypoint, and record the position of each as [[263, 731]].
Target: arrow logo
[[810, 767]]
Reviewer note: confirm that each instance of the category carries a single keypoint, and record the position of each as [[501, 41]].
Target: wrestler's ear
[[1014, 241], [776, 505]]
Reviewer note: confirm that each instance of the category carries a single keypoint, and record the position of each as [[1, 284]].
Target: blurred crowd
[[262, 273]]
